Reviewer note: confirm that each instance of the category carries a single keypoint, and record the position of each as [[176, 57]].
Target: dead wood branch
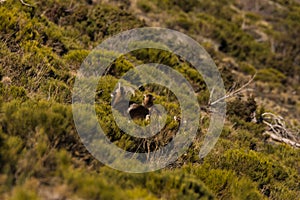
[[278, 130], [281, 139], [25, 4], [234, 92]]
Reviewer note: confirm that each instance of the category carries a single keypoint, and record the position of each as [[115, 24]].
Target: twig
[[210, 96], [235, 92], [281, 139], [278, 130], [25, 4]]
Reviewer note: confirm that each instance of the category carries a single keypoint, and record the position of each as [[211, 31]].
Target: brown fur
[[136, 111], [119, 101]]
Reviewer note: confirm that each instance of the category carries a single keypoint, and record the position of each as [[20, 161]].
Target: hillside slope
[[43, 45]]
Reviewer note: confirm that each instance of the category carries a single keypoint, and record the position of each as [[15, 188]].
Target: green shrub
[[247, 68], [76, 56], [243, 109], [24, 194], [224, 183], [270, 75], [14, 92], [145, 6], [22, 119], [166, 184], [257, 166]]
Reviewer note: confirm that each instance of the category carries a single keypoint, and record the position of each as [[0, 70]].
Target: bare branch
[[235, 92], [25, 4], [281, 139], [210, 96], [278, 130]]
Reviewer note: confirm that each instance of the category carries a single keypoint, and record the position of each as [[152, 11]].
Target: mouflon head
[[148, 100]]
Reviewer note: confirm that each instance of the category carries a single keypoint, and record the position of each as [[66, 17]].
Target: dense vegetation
[[42, 46]]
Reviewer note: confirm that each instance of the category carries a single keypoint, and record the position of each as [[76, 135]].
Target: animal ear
[[122, 91], [133, 93]]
